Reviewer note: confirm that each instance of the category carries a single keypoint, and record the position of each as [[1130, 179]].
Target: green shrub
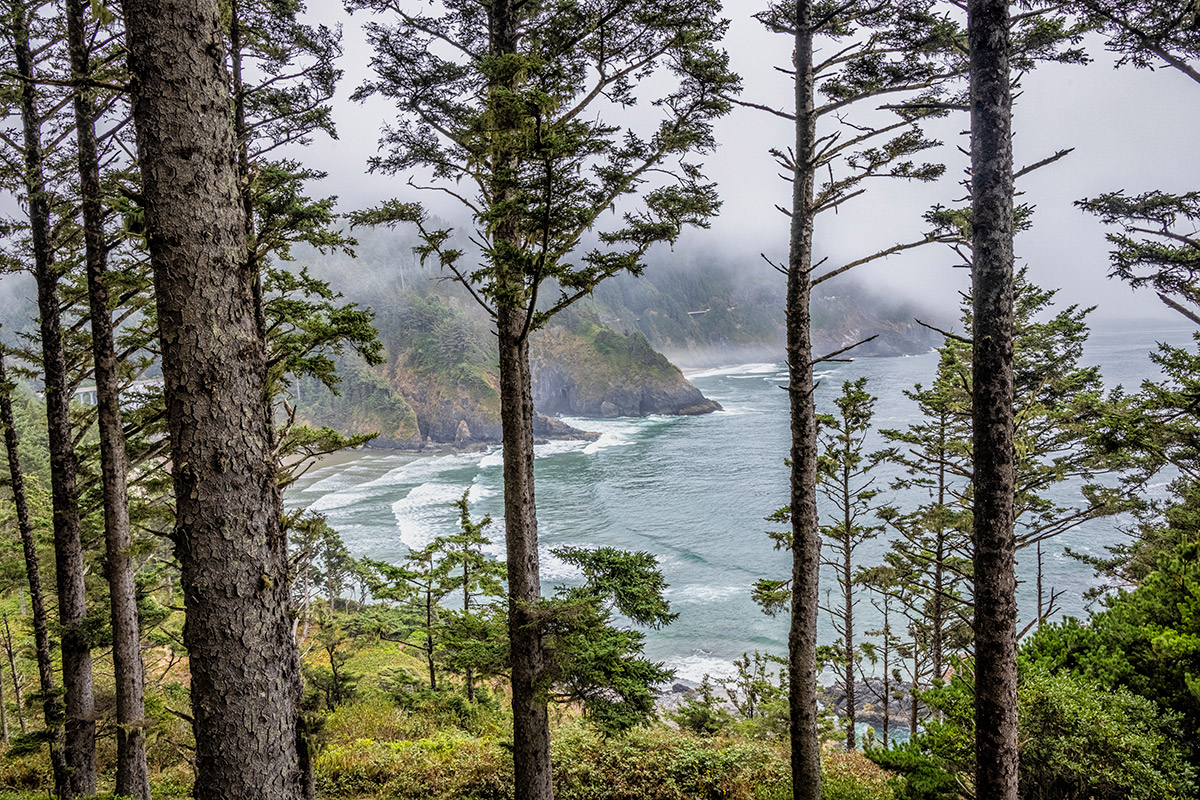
[[661, 764], [1078, 739], [853, 776], [450, 765], [29, 772]]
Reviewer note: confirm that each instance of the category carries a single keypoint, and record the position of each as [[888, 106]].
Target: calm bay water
[[691, 490]]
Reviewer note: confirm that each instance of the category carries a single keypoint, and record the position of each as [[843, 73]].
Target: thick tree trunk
[[51, 710], [231, 549], [80, 742], [133, 779], [531, 721], [806, 543], [992, 379]]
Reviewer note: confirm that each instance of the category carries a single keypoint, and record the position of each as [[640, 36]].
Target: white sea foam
[[425, 469], [479, 491], [731, 370], [558, 447], [494, 458], [426, 512], [695, 665], [704, 593], [337, 480], [737, 410], [554, 568], [338, 499]]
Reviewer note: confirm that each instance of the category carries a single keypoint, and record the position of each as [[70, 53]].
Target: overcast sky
[[1132, 129]]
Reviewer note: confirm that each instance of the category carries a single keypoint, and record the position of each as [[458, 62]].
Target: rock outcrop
[[440, 386], [595, 372]]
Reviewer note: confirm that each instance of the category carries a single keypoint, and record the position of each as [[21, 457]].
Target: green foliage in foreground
[[1078, 739], [442, 748], [1146, 640]]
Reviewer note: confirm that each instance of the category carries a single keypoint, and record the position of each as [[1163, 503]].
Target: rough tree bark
[[531, 718], [806, 542], [231, 549], [133, 778], [992, 407], [51, 710], [80, 742]]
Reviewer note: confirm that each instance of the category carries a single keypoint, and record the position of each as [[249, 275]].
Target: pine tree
[[993, 407], [932, 556], [475, 576], [511, 110], [52, 711], [849, 487], [1060, 406], [133, 778], [283, 75], [79, 775], [903, 49], [422, 581], [228, 539], [594, 661]]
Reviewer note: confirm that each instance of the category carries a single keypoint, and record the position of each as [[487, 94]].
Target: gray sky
[[1132, 129]]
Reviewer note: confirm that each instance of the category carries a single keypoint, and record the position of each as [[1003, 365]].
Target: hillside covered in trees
[[204, 328], [439, 382]]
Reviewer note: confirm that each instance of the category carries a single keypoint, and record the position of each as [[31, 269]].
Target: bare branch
[[947, 334], [834, 355]]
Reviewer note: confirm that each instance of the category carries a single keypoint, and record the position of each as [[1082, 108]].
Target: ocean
[[693, 491]]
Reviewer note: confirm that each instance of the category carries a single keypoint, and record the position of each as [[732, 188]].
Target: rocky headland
[[440, 384]]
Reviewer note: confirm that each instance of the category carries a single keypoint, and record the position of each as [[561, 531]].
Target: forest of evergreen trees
[[169, 629]]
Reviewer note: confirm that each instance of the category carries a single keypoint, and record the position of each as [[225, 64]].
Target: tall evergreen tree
[[79, 778], [993, 533], [849, 486], [933, 554], [228, 539], [52, 711], [904, 49], [512, 109], [1060, 404], [133, 778]]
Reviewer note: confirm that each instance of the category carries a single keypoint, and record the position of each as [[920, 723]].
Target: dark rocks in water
[[869, 704], [545, 427]]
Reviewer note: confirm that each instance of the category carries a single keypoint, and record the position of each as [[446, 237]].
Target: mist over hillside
[[699, 307]]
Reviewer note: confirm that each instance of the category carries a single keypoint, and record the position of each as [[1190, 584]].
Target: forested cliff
[[609, 356]]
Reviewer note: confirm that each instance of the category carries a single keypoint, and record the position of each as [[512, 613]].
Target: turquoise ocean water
[[691, 490]]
